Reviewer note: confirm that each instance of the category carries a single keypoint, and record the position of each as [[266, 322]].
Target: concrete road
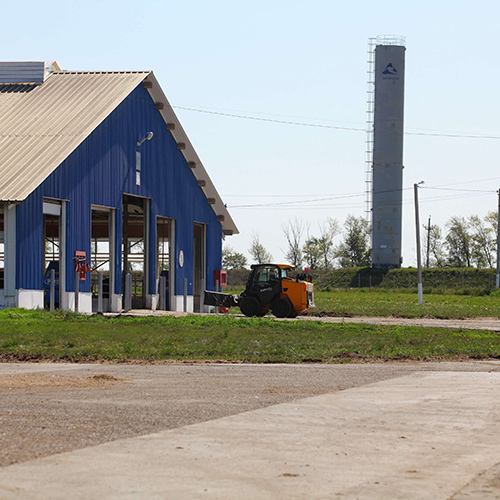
[[250, 431]]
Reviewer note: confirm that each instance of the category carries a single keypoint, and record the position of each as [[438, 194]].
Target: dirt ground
[[31, 381], [51, 408]]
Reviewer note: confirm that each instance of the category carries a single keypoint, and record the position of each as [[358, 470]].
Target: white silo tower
[[387, 152]]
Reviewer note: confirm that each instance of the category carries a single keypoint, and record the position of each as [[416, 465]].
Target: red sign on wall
[[81, 266]]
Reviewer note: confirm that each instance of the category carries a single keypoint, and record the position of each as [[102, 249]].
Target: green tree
[[232, 259], [354, 250], [491, 219], [325, 243], [293, 231], [433, 240], [319, 251], [257, 251], [483, 242], [458, 241], [312, 252]]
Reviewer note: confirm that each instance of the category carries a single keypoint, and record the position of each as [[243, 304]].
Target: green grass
[[363, 302], [39, 335], [366, 302]]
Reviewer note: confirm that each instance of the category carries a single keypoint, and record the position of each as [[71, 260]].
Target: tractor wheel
[[282, 308], [250, 306]]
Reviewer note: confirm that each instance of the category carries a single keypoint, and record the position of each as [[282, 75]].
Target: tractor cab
[[264, 282]]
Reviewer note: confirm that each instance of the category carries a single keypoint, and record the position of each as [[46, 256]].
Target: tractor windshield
[[265, 275]]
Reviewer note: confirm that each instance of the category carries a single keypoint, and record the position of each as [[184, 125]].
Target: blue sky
[[300, 62]]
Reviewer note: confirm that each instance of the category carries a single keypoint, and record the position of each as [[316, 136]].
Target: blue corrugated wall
[[98, 172]]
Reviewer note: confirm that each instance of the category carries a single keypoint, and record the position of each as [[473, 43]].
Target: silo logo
[[390, 70]]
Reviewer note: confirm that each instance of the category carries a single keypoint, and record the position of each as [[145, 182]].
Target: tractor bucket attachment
[[218, 299]]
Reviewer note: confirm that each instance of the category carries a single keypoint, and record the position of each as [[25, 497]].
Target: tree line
[[316, 251], [462, 242], [468, 242]]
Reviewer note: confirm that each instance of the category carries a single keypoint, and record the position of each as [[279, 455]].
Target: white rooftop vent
[[26, 71]]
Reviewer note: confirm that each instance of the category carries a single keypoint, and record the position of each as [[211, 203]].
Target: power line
[[271, 120], [307, 204], [246, 112], [469, 182], [287, 195], [461, 136], [300, 206], [330, 198], [359, 193], [461, 190], [334, 127]]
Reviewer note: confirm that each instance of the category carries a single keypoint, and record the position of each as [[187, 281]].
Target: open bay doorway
[[101, 257], [51, 250], [134, 248], [164, 238], [199, 254]]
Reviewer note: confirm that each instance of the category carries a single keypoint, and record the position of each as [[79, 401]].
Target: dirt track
[[469, 323]]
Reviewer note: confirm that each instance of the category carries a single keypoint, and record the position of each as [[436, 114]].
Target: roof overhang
[[193, 161], [38, 144]]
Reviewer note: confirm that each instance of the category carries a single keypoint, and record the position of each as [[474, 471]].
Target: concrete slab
[[425, 435]]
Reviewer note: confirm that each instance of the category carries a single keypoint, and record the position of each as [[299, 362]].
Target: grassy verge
[[376, 302], [387, 303], [39, 335]]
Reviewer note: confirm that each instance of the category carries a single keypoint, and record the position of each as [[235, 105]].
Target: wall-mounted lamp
[[147, 137]]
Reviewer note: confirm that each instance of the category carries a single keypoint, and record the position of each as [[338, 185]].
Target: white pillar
[[63, 294]]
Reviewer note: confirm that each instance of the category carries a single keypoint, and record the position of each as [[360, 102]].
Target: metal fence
[[405, 280]]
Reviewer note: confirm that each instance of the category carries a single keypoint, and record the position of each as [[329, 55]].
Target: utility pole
[[428, 242], [419, 255], [498, 241]]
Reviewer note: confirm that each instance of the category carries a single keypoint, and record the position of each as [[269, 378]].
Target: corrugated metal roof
[[40, 128], [41, 125]]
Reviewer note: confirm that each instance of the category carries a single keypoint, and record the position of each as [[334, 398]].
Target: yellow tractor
[[270, 287]]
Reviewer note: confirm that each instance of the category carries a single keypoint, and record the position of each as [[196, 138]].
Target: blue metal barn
[[97, 162]]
